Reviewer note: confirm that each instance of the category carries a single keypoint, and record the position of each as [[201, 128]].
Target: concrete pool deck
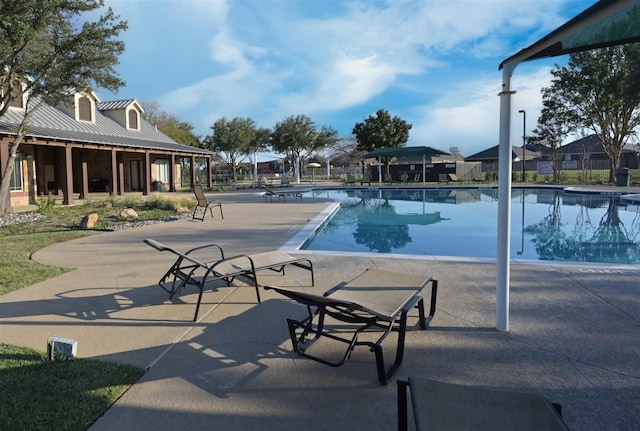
[[574, 333]]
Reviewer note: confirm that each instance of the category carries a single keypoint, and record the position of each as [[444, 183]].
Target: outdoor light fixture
[[524, 138], [65, 347]]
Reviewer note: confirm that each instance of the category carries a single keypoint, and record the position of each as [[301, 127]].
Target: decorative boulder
[[128, 213], [89, 221]]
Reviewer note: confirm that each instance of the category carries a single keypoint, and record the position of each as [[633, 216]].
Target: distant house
[[489, 157], [88, 146], [590, 148]]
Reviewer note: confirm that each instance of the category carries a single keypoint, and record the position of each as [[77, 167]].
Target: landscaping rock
[[89, 221], [129, 213]]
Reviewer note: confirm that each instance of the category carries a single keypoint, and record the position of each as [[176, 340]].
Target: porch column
[[67, 185], [85, 181], [121, 179], [114, 173], [147, 173], [172, 174], [193, 170], [209, 176]]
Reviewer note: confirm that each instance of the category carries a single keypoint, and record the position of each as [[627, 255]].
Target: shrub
[[130, 201], [157, 201], [46, 204]]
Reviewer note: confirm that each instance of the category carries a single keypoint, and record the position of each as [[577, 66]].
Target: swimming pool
[[547, 224]]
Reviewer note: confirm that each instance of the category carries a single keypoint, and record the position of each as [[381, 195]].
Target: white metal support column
[[504, 203]]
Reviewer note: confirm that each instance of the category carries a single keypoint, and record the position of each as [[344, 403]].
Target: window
[[133, 119], [84, 109], [16, 177], [163, 170]]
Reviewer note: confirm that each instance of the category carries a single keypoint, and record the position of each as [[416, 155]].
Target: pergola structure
[[606, 23], [404, 152]]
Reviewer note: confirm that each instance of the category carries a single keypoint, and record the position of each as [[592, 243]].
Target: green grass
[[60, 395], [64, 394], [17, 270], [19, 241]]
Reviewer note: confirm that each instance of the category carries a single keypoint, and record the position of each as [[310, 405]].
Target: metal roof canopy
[[423, 151], [403, 152], [606, 23]]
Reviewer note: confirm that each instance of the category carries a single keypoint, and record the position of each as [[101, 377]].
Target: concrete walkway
[[574, 332]]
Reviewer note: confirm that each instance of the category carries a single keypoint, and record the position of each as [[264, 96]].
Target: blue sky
[[433, 63]]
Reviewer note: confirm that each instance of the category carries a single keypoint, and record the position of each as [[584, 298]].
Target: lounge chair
[[189, 270], [350, 180], [366, 178], [446, 406], [375, 301], [447, 178], [270, 194], [203, 204]]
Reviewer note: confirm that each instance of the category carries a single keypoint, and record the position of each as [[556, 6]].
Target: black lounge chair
[[270, 193], [203, 204], [188, 270], [376, 300], [440, 406]]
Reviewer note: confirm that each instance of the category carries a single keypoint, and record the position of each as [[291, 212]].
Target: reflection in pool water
[[547, 224]]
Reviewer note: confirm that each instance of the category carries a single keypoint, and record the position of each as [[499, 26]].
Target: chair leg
[[403, 424]]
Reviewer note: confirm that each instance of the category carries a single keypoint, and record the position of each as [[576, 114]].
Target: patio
[[573, 331]]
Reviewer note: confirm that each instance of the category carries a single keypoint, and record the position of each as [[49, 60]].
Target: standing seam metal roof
[[52, 123]]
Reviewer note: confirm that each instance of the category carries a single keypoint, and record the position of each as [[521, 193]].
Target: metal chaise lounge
[[376, 301], [203, 204], [270, 193], [440, 406], [191, 270]]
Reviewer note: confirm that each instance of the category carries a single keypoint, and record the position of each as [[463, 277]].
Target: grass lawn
[[19, 241], [36, 394], [64, 394]]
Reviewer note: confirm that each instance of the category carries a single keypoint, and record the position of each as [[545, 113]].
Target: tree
[[344, 151], [554, 124], [260, 140], [170, 125], [233, 138], [47, 52], [297, 137], [381, 131], [601, 91]]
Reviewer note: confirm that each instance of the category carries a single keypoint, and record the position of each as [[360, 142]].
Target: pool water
[[547, 224]]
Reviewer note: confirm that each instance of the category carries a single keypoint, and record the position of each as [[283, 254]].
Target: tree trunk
[[8, 170]]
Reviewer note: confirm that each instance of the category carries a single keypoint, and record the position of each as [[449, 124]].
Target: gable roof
[[51, 123], [492, 154], [118, 104]]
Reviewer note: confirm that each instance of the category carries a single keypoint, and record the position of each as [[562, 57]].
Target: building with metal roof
[[87, 146]]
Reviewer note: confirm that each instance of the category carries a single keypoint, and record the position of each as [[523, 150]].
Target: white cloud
[[424, 60], [467, 116]]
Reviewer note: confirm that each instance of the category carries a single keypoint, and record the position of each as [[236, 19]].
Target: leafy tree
[[260, 140], [170, 125], [554, 124], [233, 138], [47, 52], [297, 137], [381, 131], [600, 89]]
